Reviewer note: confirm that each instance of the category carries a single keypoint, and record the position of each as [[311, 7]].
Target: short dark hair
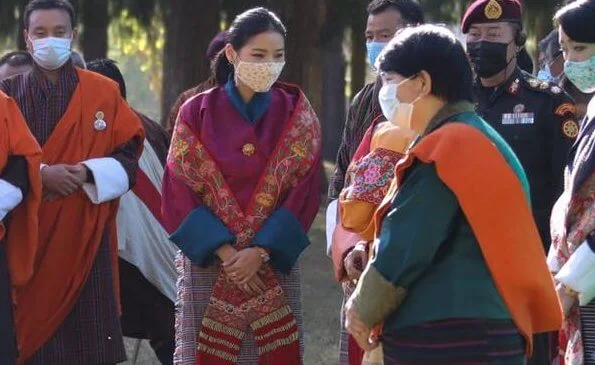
[[16, 59], [245, 26], [437, 51], [47, 5], [109, 69], [577, 19], [410, 10]]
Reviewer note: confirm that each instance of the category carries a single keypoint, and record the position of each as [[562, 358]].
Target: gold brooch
[[493, 10], [248, 149]]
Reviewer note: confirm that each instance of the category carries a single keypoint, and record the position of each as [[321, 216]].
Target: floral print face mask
[[581, 74], [258, 76]]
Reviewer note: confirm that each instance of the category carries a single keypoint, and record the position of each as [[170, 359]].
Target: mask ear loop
[[410, 106], [409, 79], [236, 65]]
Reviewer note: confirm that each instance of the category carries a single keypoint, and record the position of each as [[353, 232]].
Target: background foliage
[[160, 44]]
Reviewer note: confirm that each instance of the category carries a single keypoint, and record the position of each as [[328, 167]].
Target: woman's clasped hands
[[243, 268]]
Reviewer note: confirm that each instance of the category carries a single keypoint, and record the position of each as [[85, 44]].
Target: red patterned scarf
[[231, 312], [573, 219]]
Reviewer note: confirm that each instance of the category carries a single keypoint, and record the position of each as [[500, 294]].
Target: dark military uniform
[[538, 121]]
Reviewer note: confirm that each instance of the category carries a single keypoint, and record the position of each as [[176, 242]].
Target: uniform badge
[[570, 129], [544, 86], [534, 82], [514, 87], [248, 149], [100, 123], [493, 10], [518, 118], [519, 108], [566, 109], [556, 90]]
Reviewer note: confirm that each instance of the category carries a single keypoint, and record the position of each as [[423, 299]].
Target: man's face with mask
[[49, 36], [380, 29], [491, 47]]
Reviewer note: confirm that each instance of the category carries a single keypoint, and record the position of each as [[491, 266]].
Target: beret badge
[[493, 10]]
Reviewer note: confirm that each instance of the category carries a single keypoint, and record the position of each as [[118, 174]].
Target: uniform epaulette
[[540, 85]]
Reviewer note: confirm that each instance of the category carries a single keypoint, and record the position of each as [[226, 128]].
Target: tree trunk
[[542, 26], [21, 45], [333, 82], [95, 19], [358, 54], [232, 8], [304, 19], [190, 25]]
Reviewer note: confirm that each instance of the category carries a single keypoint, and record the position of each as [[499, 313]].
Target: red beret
[[489, 11]]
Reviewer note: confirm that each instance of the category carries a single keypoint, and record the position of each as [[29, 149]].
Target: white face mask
[[258, 76], [51, 53], [396, 112]]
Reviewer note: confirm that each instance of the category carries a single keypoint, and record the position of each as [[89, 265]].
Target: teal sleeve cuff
[[283, 235], [200, 235]]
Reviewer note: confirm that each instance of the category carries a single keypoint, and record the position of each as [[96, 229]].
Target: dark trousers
[[146, 312]]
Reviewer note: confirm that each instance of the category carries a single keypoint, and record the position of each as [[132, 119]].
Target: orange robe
[[388, 145], [71, 228], [503, 224], [369, 178], [22, 238]]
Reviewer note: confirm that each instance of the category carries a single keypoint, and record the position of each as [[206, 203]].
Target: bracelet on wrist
[[264, 254]]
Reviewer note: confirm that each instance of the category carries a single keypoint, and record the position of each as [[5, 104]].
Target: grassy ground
[[321, 298]]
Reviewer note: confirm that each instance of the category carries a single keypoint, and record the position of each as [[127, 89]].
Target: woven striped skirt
[[195, 286], [348, 289], [588, 331], [455, 342], [91, 333]]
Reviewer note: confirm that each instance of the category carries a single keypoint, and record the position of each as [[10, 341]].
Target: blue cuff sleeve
[[283, 235], [200, 235]]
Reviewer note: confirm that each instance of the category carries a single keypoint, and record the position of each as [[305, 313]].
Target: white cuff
[[331, 224], [552, 260], [10, 197], [111, 180], [43, 166], [578, 273]]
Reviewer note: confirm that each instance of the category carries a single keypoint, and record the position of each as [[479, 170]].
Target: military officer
[[536, 118]]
